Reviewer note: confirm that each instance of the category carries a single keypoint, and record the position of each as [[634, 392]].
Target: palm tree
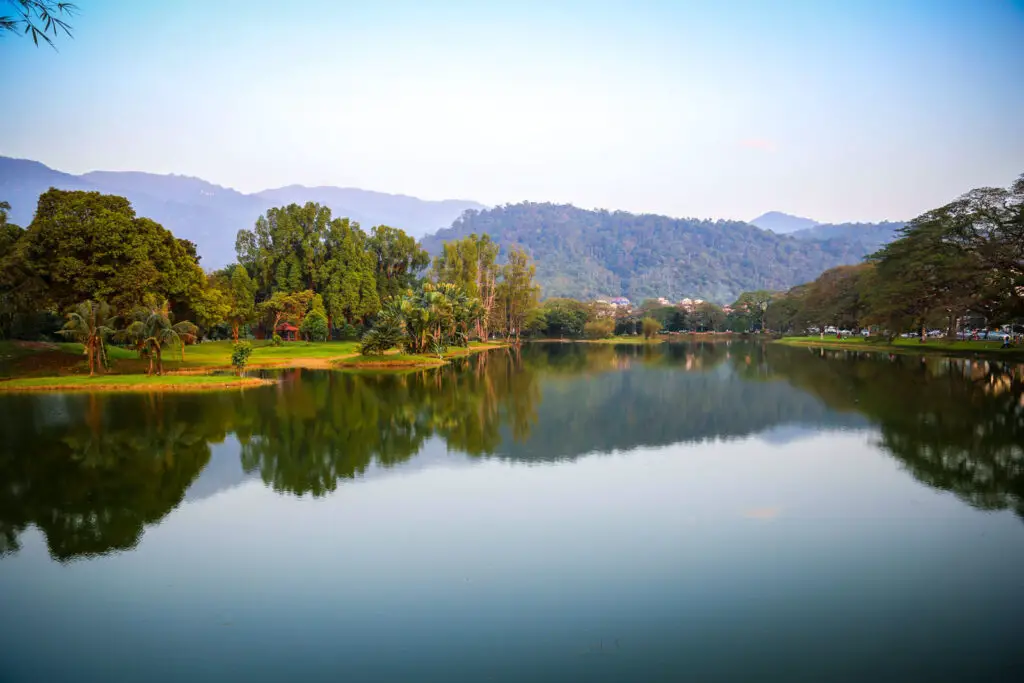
[[90, 324], [153, 329]]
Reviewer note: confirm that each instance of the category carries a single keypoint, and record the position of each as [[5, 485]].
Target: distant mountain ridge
[[211, 215], [782, 223], [585, 254]]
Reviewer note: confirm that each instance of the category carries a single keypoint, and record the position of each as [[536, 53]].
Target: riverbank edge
[[413, 362], [128, 384], [933, 348]]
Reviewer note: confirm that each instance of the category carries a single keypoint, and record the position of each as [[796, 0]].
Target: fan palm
[[90, 324], [153, 329]]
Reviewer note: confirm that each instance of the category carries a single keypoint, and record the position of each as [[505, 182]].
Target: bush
[[276, 340], [599, 329], [314, 327], [348, 333], [376, 341], [240, 353], [651, 327]]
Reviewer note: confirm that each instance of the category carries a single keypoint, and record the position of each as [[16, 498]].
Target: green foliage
[[564, 318], [240, 352], [85, 245], [91, 324], [398, 260], [599, 329], [587, 254], [314, 327], [152, 329], [348, 332], [650, 327], [276, 340]]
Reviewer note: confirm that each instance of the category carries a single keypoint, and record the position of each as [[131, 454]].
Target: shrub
[[599, 329], [240, 353], [386, 335], [651, 327], [348, 333], [276, 340], [314, 327]]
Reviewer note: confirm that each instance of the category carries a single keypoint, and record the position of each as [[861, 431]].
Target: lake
[[566, 512]]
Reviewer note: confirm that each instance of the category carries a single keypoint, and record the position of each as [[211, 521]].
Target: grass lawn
[[902, 345], [43, 359], [626, 339], [393, 359], [129, 383]]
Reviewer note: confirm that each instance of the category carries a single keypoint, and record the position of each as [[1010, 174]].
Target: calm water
[[567, 513]]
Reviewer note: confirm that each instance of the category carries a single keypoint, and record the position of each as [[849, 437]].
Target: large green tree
[[398, 261], [86, 245], [348, 281]]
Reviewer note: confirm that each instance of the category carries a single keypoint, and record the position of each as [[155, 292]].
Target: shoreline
[[129, 383], [938, 347]]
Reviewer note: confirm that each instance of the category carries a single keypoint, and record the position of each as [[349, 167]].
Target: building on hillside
[[689, 304], [619, 301], [663, 301]]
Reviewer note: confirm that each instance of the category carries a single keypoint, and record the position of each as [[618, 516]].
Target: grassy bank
[[40, 366], [630, 339], [130, 383], [943, 346], [395, 360]]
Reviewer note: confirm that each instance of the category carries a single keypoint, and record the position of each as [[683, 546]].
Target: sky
[[839, 111]]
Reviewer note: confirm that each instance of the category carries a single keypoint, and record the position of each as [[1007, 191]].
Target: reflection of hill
[[658, 404]]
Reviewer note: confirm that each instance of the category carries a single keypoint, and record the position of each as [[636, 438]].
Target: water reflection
[[92, 472]]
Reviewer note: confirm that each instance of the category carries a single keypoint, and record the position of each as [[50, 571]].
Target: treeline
[[958, 265], [88, 267]]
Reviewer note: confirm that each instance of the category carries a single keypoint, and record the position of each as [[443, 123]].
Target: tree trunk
[[234, 331], [150, 371], [159, 361], [89, 355]]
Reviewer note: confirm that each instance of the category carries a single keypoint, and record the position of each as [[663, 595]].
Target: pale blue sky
[[834, 110]]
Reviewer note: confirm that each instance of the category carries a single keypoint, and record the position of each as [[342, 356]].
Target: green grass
[[902, 345], [627, 339], [128, 382], [263, 352]]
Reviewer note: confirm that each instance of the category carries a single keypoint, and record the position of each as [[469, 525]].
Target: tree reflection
[[956, 424], [92, 472]]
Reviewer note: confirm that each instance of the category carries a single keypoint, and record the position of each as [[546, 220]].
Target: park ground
[[26, 366], [944, 346]]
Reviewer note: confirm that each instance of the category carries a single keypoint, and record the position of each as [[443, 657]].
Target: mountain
[[585, 254], [865, 237], [211, 215], [782, 223]]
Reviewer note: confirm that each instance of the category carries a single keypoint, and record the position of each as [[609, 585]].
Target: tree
[[754, 305], [398, 260], [517, 295], [348, 282], [471, 263], [242, 299], [650, 327], [314, 325], [90, 324], [709, 317], [240, 352], [40, 19], [286, 307], [564, 317], [599, 329], [86, 245], [153, 328]]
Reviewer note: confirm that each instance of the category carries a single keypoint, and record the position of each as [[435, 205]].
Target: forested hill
[[585, 254]]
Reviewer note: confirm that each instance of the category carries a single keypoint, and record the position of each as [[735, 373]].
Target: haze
[[836, 111]]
